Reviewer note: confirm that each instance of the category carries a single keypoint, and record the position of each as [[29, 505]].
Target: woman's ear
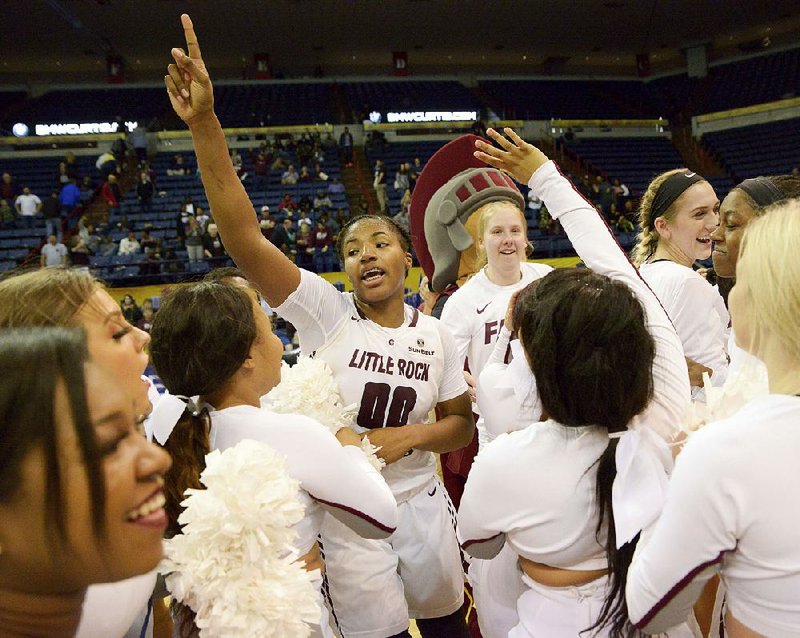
[[662, 228]]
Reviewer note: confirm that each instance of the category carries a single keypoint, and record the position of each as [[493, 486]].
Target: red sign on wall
[[263, 70], [400, 63]]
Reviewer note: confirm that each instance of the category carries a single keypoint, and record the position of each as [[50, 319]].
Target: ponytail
[[188, 445], [614, 614]]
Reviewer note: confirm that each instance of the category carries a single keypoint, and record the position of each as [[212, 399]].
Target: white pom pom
[[235, 564]]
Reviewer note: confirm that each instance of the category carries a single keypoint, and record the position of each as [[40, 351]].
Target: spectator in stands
[[106, 164], [111, 194], [130, 309], [603, 194], [107, 246], [379, 184], [144, 192], [330, 224], [194, 240], [322, 201], [87, 189], [8, 188], [129, 245], [290, 176], [62, 177], [401, 181], [283, 237], [139, 140], [619, 192], [305, 175], [54, 253], [201, 217], [287, 204], [402, 218], [622, 223], [346, 145], [177, 166], [238, 164], [322, 243], [119, 148], [148, 314], [304, 245], [90, 237], [69, 197], [152, 263], [318, 174], [147, 241], [213, 247], [328, 142], [78, 251], [335, 186], [6, 214], [261, 167], [71, 163], [28, 206], [51, 211]]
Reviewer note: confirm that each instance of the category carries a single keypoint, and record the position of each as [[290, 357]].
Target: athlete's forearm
[[449, 433], [261, 261]]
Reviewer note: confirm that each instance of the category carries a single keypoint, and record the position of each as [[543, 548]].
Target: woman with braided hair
[[677, 214]]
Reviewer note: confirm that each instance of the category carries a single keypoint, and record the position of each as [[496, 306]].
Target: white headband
[[167, 413]]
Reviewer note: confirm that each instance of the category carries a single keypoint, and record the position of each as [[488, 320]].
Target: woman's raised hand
[[188, 84], [515, 156]]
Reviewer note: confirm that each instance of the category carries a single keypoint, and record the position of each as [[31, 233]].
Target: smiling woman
[[80, 489], [677, 214], [69, 298]]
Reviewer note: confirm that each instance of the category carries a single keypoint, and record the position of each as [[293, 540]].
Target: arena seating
[[764, 149], [273, 104]]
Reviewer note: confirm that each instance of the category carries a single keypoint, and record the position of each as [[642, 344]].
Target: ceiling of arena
[[68, 40]]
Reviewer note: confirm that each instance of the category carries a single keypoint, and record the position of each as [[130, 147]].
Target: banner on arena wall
[[263, 70], [400, 63], [116, 69]]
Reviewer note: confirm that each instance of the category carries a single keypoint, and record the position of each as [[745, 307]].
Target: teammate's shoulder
[[303, 424]]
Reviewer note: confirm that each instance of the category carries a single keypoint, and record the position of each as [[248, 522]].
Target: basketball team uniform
[[533, 490], [327, 472], [733, 508], [396, 376], [474, 315], [698, 313]]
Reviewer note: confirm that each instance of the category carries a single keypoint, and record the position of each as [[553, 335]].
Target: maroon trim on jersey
[[478, 541], [611, 232], [680, 585], [356, 512], [414, 319]]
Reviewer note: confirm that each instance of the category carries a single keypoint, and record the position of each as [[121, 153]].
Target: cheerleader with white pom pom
[[230, 358]]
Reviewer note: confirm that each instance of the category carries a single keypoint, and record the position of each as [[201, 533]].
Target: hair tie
[[670, 190], [166, 414]]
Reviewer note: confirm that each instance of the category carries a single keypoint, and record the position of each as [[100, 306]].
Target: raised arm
[[192, 97], [597, 247]]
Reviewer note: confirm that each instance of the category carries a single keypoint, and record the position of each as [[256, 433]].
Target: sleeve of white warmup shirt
[[487, 510], [698, 323], [315, 309], [698, 525], [497, 401], [597, 247], [454, 319], [453, 383], [341, 479]]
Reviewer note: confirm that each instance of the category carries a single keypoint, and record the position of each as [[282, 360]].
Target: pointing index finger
[[192, 44]]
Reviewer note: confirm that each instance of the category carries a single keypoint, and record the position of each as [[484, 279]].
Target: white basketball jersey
[[395, 375]]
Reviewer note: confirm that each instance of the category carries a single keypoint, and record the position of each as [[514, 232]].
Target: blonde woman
[[475, 313], [733, 499], [677, 214]]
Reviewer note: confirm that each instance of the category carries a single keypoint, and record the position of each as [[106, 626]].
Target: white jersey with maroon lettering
[[395, 375], [474, 315]]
